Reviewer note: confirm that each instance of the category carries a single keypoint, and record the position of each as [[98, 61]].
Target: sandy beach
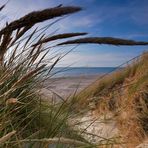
[[66, 86]]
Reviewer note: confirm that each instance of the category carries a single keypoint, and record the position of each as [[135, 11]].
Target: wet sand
[[66, 86]]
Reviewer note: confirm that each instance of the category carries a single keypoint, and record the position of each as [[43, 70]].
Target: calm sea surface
[[80, 71]]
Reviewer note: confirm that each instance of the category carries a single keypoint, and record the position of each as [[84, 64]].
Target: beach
[[67, 86], [67, 82]]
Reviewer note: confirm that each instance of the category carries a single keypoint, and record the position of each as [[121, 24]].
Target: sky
[[100, 18]]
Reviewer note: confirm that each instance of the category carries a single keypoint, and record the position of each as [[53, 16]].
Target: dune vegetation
[[124, 94], [27, 120]]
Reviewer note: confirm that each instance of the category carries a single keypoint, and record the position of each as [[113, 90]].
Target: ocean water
[[81, 71]]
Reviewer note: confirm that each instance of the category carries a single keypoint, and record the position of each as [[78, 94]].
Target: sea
[[81, 71]]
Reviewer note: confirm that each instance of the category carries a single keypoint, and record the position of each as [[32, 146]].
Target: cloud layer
[[117, 18]]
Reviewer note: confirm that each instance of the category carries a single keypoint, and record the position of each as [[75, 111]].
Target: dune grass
[[26, 119], [22, 74], [123, 93]]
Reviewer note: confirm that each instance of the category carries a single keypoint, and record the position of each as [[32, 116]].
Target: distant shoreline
[[81, 71], [76, 76], [66, 86]]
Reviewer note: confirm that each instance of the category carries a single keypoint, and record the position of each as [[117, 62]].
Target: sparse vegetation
[[123, 93]]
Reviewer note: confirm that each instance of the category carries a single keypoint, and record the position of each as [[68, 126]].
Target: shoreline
[[66, 86]]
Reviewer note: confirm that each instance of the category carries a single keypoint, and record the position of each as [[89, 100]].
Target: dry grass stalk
[[104, 40], [31, 73], [3, 47], [42, 58], [35, 55], [7, 137], [59, 36], [2, 7], [39, 16], [13, 55], [30, 37], [21, 33], [55, 141]]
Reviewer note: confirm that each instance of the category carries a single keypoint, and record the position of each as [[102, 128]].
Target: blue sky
[[116, 18]]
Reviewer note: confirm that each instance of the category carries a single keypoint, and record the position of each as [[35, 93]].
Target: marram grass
[[104, 40], [26, 119]]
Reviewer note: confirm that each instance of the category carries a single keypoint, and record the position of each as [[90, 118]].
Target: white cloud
[[94, 60]]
